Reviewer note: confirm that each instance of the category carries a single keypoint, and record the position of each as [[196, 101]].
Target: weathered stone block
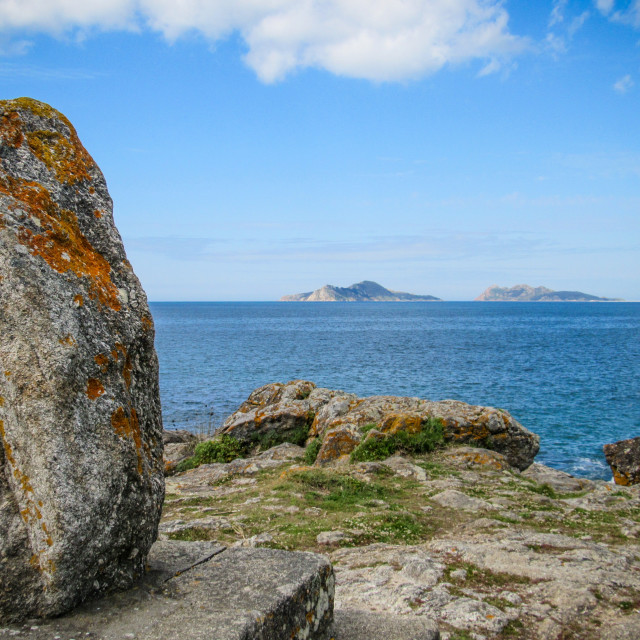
[[81, 478], [200, 591]]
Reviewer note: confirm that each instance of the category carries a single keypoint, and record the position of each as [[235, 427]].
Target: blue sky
[[256, 148]]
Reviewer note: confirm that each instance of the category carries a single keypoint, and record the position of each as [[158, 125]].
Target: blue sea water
[[567, 371]]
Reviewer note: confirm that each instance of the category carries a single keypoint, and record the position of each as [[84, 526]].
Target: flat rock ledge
[[198, 590]]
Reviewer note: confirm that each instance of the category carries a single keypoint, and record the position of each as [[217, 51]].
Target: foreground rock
[[299, 409], [624, 459], [202, 590], [81, 478], [456, 541]]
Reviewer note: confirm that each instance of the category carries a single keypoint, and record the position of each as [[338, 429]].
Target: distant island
[[525, 293], [365, 291]]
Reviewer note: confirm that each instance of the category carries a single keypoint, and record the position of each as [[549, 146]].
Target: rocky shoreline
[[457, 537]]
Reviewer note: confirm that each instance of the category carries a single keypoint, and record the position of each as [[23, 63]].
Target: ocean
[[570, 372]]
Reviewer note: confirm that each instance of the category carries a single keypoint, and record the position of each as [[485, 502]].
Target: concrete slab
[[201, 591]]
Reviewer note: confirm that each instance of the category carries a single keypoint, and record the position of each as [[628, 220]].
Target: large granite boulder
[[338, 418], [81, 477], [624, 459]]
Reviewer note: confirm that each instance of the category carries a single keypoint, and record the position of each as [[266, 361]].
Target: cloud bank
[[377, 40]]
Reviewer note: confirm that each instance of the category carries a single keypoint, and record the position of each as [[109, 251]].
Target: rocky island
[[365, 291], [526, 293]]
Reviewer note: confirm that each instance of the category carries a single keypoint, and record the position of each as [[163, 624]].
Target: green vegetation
[[311, 452], [333, 491], [221, 449], [194, 534], [482, 578], [430, 436]]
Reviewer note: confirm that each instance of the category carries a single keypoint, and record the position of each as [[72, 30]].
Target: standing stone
[[81, 478]]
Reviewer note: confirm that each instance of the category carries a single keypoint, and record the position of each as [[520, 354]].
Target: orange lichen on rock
[[78, 300], [68, 159], [147, 323], [11, 129], [95, 388], [337, 443], [475, 430], [68, 340], [102, 361], [391, 424], [65, 156], [620, 478], [128, 426], [126, 371], [61, 244]]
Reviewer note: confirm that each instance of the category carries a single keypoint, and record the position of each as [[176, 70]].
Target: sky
[[258, 148]]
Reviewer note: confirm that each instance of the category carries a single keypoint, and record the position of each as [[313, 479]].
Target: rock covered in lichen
[[81, 478], [624, 459], [338, 418]]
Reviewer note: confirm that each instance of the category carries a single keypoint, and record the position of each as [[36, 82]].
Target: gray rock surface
[[458, 500], [547, 555], [351, 624], [199, 590], [81, 479], [337, 419], [624, 459]]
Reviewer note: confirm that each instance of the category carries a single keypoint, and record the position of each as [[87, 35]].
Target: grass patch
[[193, 534], [331, 491], [311, 452], [430, 437], [368, 427], [544, 490], [477, 577], [221, 449]]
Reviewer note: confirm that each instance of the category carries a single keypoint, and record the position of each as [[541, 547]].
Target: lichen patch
[[63, 155], [60, 242], [95, 388]]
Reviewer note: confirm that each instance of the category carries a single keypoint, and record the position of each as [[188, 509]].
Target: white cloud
[[555, 44], [630, 14], [605, 6], [380, 40], [624, 84], [557, 12], [577, 23], [57, 16]]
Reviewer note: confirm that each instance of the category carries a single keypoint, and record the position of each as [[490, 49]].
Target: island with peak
[[365, 291], [526, 293]]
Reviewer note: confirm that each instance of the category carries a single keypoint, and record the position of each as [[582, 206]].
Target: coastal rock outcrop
[[81, 474], [624, 459], [341, 421]]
